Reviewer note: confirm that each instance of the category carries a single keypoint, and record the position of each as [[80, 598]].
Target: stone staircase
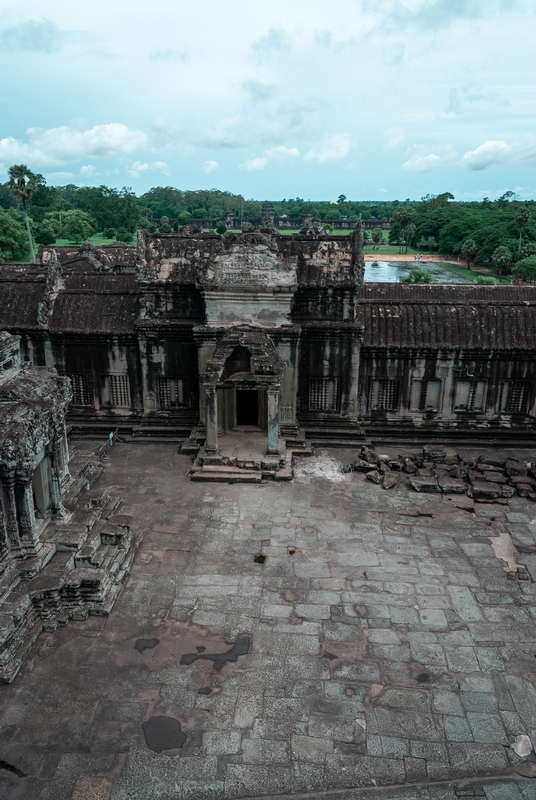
[[242, 459], [79, 570]]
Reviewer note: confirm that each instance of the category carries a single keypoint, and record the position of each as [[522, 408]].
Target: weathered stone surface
[[360, 465], [425, 484], [390, 480], [410, 466], [374, 476], [450, 485], [485, 490], [433, 452]]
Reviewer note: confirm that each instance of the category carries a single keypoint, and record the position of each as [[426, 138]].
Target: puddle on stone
[[240, 648], [163, 734], [424, 677], [10, 768], [204, 690], [146, 644], [259, 559]]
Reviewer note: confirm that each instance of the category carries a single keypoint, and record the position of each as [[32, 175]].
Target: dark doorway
[[247, 407]]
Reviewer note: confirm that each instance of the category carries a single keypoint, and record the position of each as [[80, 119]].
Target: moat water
[[392, 271]]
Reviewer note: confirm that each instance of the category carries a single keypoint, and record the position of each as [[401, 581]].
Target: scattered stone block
[[409, 465], [524, 489], [485, 490], [424, 484], [390, 480], [515, 467], [396, 466], [374, 476], [360, 465], [493, 459], [434, 452], [495, 477], [450, 485], [369, 455]]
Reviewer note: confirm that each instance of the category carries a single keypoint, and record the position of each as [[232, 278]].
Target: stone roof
[[501, 317]]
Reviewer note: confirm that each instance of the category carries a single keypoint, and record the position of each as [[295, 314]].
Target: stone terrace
[[386, 646]]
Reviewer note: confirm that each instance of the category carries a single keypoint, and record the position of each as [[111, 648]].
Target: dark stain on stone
[[146, 644], [330, 656], [423, 677], [163, 733], [200, 649], [204, 690], [240, 648], [291, 550], [10, 768], [259, 559]]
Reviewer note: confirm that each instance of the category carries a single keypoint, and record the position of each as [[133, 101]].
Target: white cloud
[[34, 35], [210, 166], [161, 165], [279, 154], [335, 148], [137, 168], [88, 171], [63, 145], [427, 163], [496, 153], [254, 164]]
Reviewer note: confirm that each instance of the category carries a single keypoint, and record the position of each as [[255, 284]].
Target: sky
[[373, 99]]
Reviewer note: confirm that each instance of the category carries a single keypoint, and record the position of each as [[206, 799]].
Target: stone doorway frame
[[266, 373]]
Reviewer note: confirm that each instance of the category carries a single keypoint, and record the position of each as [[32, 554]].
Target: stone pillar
[[25, 509], [211, 400], [10, 508], [273, 421], [353, 395], [56, 501]]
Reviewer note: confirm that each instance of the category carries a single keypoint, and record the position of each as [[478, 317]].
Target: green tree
[[45, 235], [77, 225], [13, 239], [377, 236], [523, 216], [469, 250], [501, 258], [221, 228], [23, 184], [418, 276], [525, 270], [341, 198], [405, 215]]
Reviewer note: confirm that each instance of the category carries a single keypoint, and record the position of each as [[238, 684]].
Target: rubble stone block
[[425, 484], [452, 485], [434, 452], [390, 480], [374, 476], [485, 490]]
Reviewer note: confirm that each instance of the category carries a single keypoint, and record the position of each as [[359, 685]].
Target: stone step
[[226, 475]]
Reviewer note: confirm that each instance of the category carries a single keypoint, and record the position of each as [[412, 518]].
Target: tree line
[[501, 231]]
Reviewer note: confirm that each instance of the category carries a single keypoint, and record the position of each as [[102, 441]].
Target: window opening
[[324, 394], [385, 394]]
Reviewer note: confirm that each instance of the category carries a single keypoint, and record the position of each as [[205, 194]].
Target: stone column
[[211, 400], [10, 507], [25, 508], [353, 395], [56, 501], [273, 421]]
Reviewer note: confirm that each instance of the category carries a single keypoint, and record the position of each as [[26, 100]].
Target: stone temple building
[[199, 337], [64, 551]]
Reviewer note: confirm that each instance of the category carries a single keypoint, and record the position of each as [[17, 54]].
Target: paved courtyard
[[334, 637]]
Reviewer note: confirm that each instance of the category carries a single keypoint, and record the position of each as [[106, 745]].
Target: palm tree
[[23, 183], [522, 219]]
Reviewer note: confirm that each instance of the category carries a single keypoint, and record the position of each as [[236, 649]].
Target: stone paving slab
[[321, 638]]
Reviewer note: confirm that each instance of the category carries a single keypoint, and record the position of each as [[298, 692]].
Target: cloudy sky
[[374, 99]]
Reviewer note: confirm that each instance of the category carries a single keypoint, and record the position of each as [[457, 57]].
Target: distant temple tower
[[268, 215]]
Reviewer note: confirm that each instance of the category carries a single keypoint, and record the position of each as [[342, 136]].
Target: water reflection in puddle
[[392, 271]]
